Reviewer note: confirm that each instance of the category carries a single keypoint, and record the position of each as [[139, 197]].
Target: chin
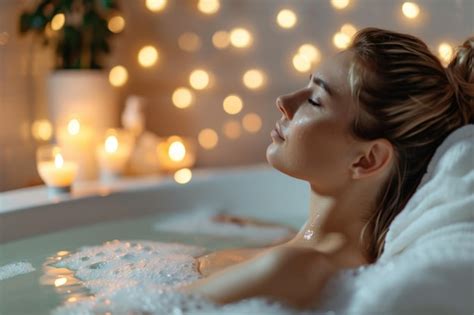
[[276, 160]]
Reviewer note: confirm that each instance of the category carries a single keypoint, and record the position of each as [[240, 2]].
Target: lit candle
[[176, 153], [114, 153], [78, 141], [57, 173]]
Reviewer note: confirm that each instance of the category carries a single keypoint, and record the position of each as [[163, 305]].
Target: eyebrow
[[320, 82]]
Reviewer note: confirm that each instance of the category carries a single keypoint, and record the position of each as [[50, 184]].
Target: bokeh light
[[42, 130], [252, 122], [58, 21], [301, 63], [341, 40], [189, 42], [208, 138], [310, 52], [232, 104], [410, 10], [232, 129], [60, 281], [340, 4], [253, 79], [182, 97], [208, 6], [118, 76], [147, 56], [116, 24], [286, 18], [445, 53], [155, 5], [240, 37], [348, 29], [199, 79], [221, 39], [183, 176]]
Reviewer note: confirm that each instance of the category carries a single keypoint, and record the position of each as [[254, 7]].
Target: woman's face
[[311, 141]]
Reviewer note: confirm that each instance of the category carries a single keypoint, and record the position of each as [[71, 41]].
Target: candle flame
[[58, 160], [111, 144], [73, 127], [177, 151]]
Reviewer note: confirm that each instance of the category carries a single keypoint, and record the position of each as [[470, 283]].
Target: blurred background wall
[[25, 66]]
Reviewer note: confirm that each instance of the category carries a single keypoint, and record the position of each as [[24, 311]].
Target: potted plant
[[78, 31]]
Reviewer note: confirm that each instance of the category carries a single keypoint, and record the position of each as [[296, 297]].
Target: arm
[[294, 275]]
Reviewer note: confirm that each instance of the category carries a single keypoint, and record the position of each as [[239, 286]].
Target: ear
[[377, 157]]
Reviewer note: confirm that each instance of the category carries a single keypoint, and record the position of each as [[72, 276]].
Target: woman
[[361, 133]]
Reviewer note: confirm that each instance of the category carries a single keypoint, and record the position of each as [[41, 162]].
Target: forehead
[[335, 71]]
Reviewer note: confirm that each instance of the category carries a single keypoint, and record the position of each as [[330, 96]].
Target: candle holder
[[113, 153], [175, 153], [55, 169]]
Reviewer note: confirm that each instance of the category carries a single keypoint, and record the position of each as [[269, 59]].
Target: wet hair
[[405, 95]]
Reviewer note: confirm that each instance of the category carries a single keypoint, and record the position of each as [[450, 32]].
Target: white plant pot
[[85, 95]]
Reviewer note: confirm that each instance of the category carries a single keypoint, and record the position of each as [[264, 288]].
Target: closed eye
[[314, 102]]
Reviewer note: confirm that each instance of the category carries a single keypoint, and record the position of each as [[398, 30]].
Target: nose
[[287, 105]]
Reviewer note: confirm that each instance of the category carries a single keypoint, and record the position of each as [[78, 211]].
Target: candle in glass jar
[[114, 152], [57, 173]]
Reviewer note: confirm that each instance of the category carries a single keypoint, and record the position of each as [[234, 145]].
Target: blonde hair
[[405, 95]]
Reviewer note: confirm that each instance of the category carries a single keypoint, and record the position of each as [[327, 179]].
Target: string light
[[118, 76], [221, 39], [155, 5], [182, 97], [252, 122], [208, 6], [232, 104], [208, 138], [253, 79], [232, 129], [58, 21], [410, 10], [348, 29], [240, 37], [286, 18], [199, 79], [445, 53], [189, 42], [116, 24], [147, 56], [340, 4], [310, 52], [301, 63]]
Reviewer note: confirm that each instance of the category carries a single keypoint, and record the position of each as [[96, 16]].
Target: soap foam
[[200, 221], [15, 269], [141, 277]]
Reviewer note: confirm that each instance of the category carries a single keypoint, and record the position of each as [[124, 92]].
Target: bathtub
[[258, 191], [35, 226]]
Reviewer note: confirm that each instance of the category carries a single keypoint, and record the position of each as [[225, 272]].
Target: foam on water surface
[[15, 269], [142, 277]]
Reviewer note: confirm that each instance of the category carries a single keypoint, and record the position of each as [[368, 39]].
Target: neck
[[339, 214]]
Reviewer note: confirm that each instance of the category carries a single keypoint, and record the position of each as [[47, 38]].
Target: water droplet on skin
[[308, 234]]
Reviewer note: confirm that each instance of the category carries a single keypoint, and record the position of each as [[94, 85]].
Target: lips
[[278, 131]]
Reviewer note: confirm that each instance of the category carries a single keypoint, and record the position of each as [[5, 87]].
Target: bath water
[[116, 267]]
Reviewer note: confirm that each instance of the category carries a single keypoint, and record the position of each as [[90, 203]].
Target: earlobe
[[375, 159]]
